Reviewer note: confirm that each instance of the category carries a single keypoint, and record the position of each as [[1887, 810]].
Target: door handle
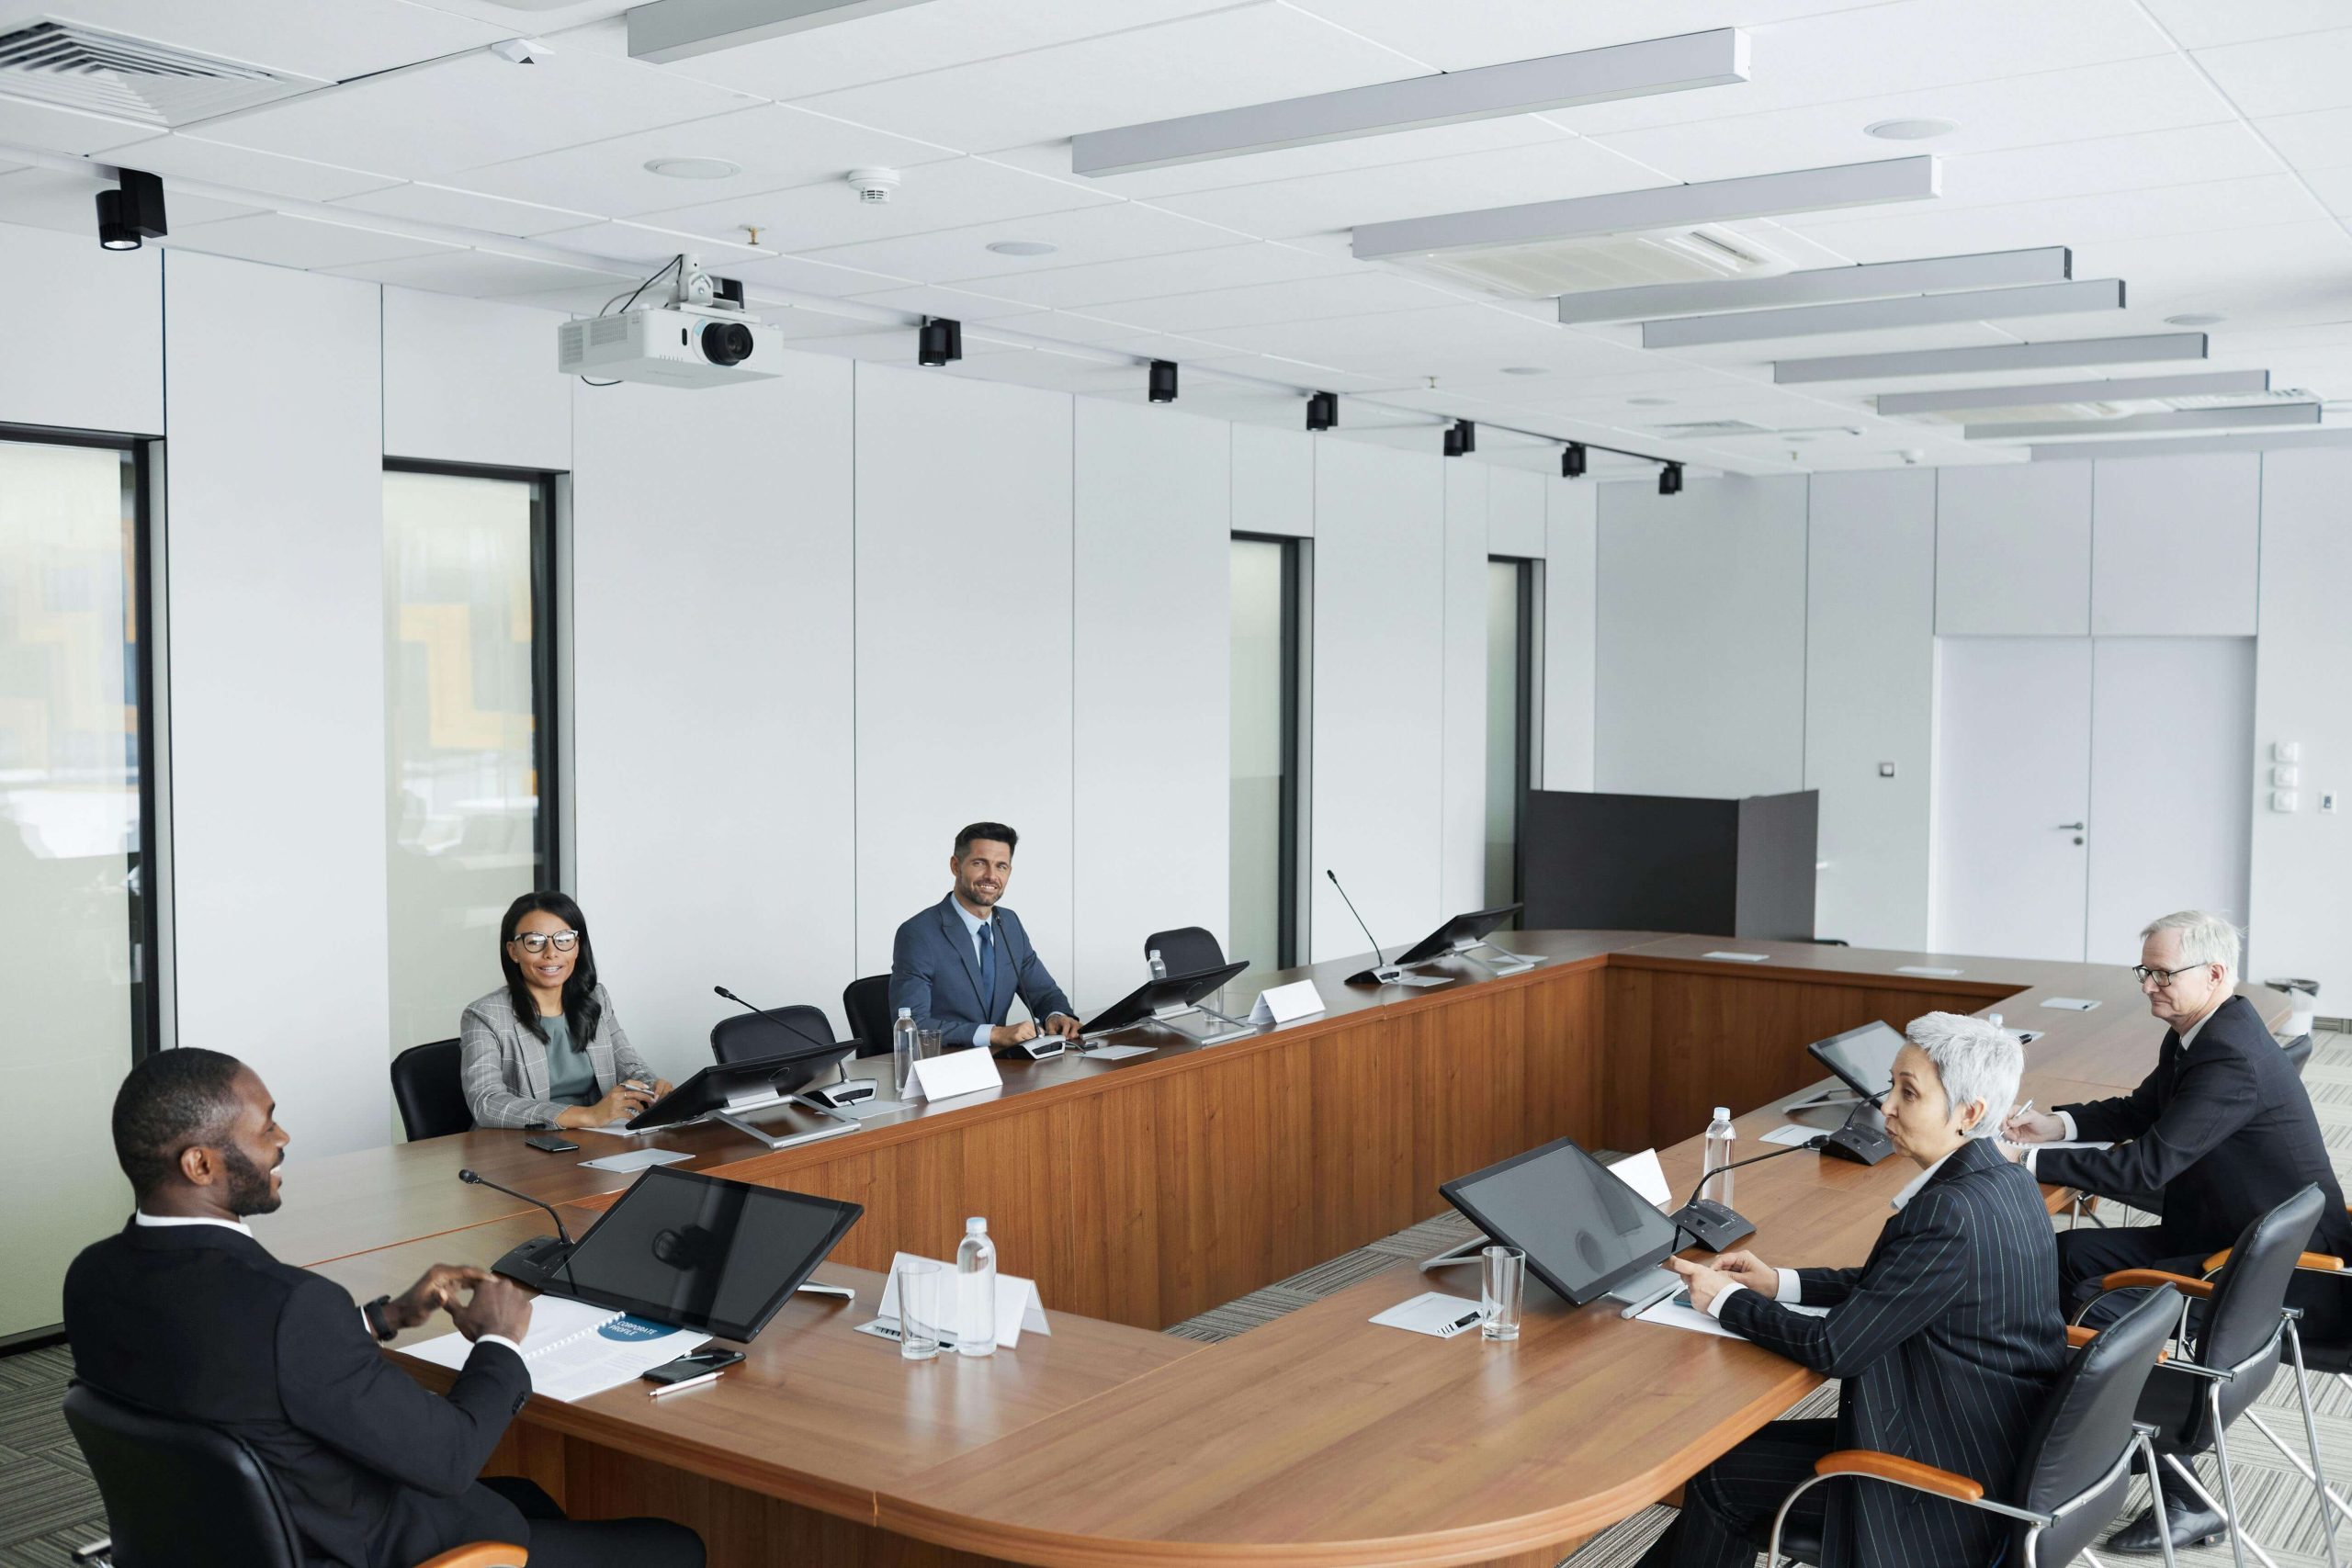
[[2070, 826]]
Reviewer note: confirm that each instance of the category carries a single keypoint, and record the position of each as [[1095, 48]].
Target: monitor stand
[[1466, 1253], [733, 1116], [1222, 1029], [1509, 963]]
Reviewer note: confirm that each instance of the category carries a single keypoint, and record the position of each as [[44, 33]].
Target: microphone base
[[1042, 1049], [1392, 976], [1861, 1145], [537, 1263], [1716, 1226], [841, 1096]]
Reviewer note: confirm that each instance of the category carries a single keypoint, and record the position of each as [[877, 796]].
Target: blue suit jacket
[[935, 971]]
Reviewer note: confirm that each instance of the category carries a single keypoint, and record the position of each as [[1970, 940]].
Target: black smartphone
[[554, 1143], [687, 1368]]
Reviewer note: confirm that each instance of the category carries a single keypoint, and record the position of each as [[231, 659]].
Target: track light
[[941, 341], [1669, 479], [1322, 410], [1460, 438], [1161, 383], [132, 212], [1572, 460]]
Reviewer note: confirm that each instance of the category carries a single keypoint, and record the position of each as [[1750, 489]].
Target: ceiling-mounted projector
[[699, 337]]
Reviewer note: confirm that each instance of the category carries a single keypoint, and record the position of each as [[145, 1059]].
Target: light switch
[[2286, 751], [2286, 777], [1886, 770], [2327, 803], [2283, 800]]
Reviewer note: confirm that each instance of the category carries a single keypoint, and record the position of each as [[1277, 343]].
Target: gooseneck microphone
[[528, 1262], [1383, 972], [1716, 1225], [783, 1023], [833, 1096]]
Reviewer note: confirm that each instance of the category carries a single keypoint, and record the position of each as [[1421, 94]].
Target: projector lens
[[727, 342]]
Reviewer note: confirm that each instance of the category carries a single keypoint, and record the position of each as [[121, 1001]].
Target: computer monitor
[[703, 1253], [1475, 926], [787, 1072], [1584, 1230], [1175, 990], [1862, 1058]]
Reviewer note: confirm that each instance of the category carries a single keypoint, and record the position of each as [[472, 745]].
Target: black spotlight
[[1163, 381], [1460, 438], [1572, 460], [1669, 479], [131, 213], [941, 341], [1322, 410]]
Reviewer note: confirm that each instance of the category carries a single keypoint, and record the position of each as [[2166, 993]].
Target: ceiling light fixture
[[666, 30], [1460, 438], [2261, 416], [1159, 382], [1660, 207], [692, 168], [1322, 410], [2153, 348], [1919, 129], [1823, 286], [1651, 403], [132, 212], [2257, 441], [1023, 248], [2192, 383], [1669, 479], [1574, 460], [2196, 319], [940, 342], [1525, 370], [1487, 92], [1884, 315]]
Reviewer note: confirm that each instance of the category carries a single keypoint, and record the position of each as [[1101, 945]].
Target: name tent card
[[953, 1073], [1019, 1308], [1286, 1004]]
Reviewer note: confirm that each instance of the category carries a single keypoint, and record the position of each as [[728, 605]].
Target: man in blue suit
[[960, 963]]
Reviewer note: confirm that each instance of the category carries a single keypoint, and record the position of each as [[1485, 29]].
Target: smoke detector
[[873, 185]]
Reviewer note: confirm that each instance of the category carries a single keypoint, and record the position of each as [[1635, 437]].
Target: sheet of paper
[[1019, 1308], [2071, 1004], [1432, 1313], [878, 1106], [1790, 1135], [636, 1159], [2074, 1144], [1118, 1053], [610, 1130], [1927, 969], [1676, 1312], [1645, 1176], [620, 1353], [1281, 1004], [554, 1321], [1737, 957]]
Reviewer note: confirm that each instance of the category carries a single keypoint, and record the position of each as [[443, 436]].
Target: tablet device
[[705, 1253], [1176, 990], [1583, 1229], [1475, 926], [713, 1087], [1862, 1058]]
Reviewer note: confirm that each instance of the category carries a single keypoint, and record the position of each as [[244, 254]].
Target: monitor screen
[[705, 1253], [1584, 1231], [1863, 1058]]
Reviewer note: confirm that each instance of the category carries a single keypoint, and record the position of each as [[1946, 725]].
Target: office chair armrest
[[2317, 1262], [481, 1555], [2145, 1279], [1903, 1471], [2079, 1335], [98, 1551]]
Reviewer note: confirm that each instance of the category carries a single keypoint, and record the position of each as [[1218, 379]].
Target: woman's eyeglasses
[[537, 942]]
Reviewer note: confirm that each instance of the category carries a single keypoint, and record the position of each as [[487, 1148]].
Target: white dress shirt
[[1791, 1290], [2187, 1038]]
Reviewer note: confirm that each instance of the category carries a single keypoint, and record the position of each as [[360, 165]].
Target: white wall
[[2174, 545], [1273, 481], [2013, 550], [1571, 615], [472, 381], [82, 347]]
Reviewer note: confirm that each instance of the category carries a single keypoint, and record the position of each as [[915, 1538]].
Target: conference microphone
[[1716, 1225], [1383, 972], [833, 1096], [533, 1263]]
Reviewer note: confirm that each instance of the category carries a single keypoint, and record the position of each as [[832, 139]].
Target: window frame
[[1290, 926], [1527, 745]]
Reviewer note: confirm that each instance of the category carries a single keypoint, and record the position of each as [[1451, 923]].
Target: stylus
[[691, 1383]]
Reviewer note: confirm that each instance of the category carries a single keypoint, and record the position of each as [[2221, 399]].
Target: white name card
[[1643, 1173], [2071, 1004], [952, 1073], [1737, 957], [1283, 1004], [1019, 1308]]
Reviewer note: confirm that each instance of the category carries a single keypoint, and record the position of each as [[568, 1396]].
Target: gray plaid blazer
[[504, 1067]]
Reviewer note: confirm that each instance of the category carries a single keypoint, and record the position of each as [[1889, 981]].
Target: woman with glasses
[[545, 1050]]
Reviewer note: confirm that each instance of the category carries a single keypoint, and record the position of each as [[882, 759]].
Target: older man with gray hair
[[2221, 1129]]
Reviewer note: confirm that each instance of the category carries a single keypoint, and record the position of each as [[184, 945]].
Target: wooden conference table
[[1142, 1192]]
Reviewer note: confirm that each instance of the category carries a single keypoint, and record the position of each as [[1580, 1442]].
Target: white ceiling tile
[[960, 303], [778, 147], [361, 37], [2321, 139], [1225, 58], [644, 243], [1152, 276], [25, 124], [802, 275], [897, 345], [483, 274], [1298, 373], [472, 108], [1454, 38], [1465, 338], [1291, 163], [283, 240], [2285, 76], [183, 157], [2333, 186], [1071, 326], [1115, 232], [2123, 215], [51, 198], [950, 195], [2201, 24], [1363, 293], [2193, 156], [466, 210]]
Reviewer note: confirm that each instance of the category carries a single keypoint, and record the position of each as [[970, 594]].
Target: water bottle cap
[[975, 1225], [905, 1012], [1722, 1114]]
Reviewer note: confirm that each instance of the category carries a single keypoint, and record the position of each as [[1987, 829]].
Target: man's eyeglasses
[[2143, 973], [537, 942]]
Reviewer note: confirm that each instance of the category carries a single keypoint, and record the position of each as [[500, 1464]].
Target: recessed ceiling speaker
[[941, 341], [1162, 381], [1669, 479], [1573, 460], [132, 212], [1460, 438], [1322, 410]]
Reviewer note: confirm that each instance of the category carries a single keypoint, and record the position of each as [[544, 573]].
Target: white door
[[2012, 797], [2172, 793]]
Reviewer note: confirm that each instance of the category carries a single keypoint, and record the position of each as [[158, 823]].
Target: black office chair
[[2224, 1363], [2299, 1052], [2075, 1472], [747, 1036], [866, 1004], [1187, 950], [180, 1494], [426, 1087]]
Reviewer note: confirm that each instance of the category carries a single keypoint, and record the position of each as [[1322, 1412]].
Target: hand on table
[[621, 1102], [1013, 1033], [1704, 1283], [1061, 1024], [2033, 1127], [497, 1306], [438, 1288]]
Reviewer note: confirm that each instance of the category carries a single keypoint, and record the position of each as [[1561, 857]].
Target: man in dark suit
[[186, 1315], [959, 964], [2222, 1130], [1946, 1341]]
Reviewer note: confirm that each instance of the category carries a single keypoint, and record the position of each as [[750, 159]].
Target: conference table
[[1141, 1191]]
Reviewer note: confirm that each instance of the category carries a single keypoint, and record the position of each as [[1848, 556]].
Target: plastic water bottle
[[1159, 965], [1721, 1138], [975, 1290], [902, 1049]]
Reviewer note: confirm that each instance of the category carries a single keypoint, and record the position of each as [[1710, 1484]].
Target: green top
[[571, 1076]]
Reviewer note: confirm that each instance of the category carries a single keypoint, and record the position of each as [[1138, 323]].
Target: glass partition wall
[[1265, 833], [1511, 624]]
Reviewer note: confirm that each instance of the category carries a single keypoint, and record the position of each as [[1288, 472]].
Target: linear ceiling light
[[2151, 349], [1881, 315], [2261, 416], [2190, 384], [2273, 441], [1822, 285], [680, 29], [1487, 92], [1661, 207]]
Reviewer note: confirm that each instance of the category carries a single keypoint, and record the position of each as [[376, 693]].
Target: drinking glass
[[927, 1043], [1502, 1283], [923, 1307]]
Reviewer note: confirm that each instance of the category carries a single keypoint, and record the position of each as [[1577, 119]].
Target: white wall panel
[[1571, 609], [472, 381], [1700, 644], [1462, 882], [1152, 792], [81, 332], [1869, 699], [2013, 550], [2300, 922], [2173, 542], [1273, 481], [1515, 513], [277, 617], [963, 646], [712, 794], [1379, 692]]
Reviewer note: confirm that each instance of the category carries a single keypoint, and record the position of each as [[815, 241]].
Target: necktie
[[988, 966]]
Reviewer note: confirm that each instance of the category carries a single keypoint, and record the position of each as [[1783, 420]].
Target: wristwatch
[[374, 1313]]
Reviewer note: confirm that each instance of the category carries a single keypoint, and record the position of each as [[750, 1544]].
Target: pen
[[690, 1382], [2020, 1111]]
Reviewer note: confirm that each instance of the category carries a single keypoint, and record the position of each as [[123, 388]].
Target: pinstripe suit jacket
[[1948, 1340], [504, 1067]]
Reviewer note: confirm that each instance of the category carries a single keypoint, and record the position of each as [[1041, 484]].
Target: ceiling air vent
[[1711, 427], [70, 66], [1550, 267]]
